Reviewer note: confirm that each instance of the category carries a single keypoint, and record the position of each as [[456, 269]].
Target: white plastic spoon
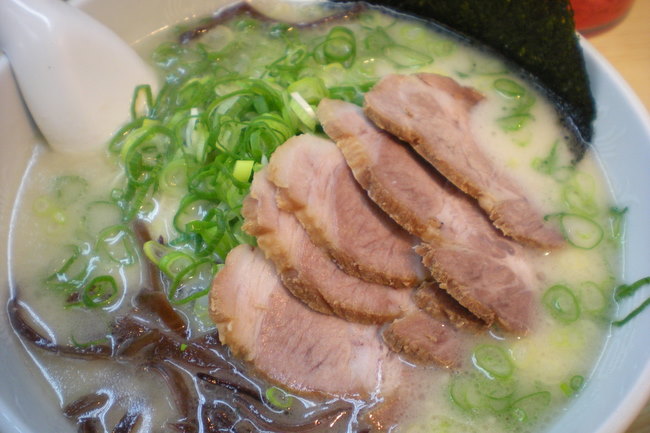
[[76, 76]]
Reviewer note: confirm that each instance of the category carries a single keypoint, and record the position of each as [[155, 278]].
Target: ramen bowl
[[619, 384]]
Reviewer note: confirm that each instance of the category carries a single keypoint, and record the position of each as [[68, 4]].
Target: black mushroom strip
[[210, 393]]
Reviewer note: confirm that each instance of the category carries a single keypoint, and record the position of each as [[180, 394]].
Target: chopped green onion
[[101, 214], [69, 189], [574, 385], [577, 382], [130, 132], [528, 408], [192, 282], [632, 314], [617, 222], [524, 103], [626, 290], [509, 88], [87, 344], [99, 292], [142, 101], [146, 155], [338, 50], [338, 47], [72, 274], [41, 205], [347, 93], [372, 20], [561, 303], [156, 251], [493, 360], [278, 398], [591, 297], [377, 40], [243, 169], [514, 122], [192, 208], [580, 231], [206, 184], [133, 200], [473, 392], [405, 56], [441, 47], [579, 194], [579, 201], [304, 111], [311, 89], [464, 393], [173, 176], [497, 389], [549, 164], [175, 262], [118, 244]]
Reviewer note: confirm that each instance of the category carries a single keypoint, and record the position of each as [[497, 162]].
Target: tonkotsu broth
[[66, 202]]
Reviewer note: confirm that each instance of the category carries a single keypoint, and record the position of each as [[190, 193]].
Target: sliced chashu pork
[[487, 288], [436, 302], [307, 271], [432, 113], [424, 339], [405, 186], [292, 345], [315, 184], [423, 202]]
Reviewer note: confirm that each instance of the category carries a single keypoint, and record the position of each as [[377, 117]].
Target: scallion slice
[[561, 303], [580, 231], [514, 122], [278, 398], [117, 244], [68, 189], [405, 56], [626, 290], [243, 169], [617, 222], [175, 262], [493, 360], [509, 88], [528, 408], [192, 282], [99, 292]]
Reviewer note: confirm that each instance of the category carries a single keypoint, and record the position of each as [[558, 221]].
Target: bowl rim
[[636, 397]]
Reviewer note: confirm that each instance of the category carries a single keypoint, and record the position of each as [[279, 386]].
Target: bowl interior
[[620, 383]]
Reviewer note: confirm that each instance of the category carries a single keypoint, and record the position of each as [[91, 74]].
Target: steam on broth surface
[[233, 94]]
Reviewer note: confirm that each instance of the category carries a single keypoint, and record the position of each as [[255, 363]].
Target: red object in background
[[593, 16]]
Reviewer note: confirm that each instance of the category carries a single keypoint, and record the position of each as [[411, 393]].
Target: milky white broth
[[46, 225]]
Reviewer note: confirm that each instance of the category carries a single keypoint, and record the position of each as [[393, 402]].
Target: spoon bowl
[[75, 75]]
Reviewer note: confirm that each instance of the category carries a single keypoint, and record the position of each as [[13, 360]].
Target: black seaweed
[[536, 35]]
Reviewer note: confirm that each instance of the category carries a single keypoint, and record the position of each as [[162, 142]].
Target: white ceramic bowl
[[621, 382]]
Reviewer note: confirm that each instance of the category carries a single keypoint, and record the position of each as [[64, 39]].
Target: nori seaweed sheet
[[536, 35]]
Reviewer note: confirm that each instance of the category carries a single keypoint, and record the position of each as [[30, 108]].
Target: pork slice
[[307, 271], [316, 185], [394, 178], [429, 297], [490, 290], [432, 113], [406, 187], [424, 339], [290, 344], [427, 205]]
